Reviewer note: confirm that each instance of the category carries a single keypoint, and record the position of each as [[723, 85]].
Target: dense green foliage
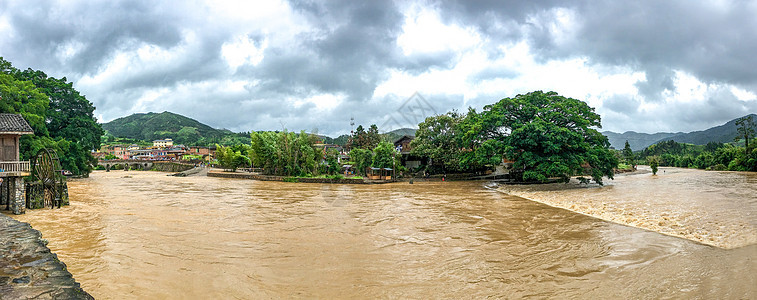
[[385, 156], [438, 138], [284, 153], [713, 156], [62, 119], [332, 166], [545, 134], [361, 159], [628, 153], [182, 130], [365, 139], [654, 163], [230, 159]]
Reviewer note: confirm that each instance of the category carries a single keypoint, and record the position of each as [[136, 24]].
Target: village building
[[12, 170], [119, 151], [162, 143], [207, 153], [402, 145]]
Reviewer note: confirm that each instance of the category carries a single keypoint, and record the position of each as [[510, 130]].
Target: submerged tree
[[628, 153], [653, 163]]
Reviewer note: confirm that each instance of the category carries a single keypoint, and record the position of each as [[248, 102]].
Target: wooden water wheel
[[48, 171]]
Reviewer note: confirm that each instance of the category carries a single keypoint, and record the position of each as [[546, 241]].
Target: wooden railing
[[15, 166]]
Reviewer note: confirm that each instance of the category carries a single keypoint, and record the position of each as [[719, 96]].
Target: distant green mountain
[[183, 130], [636, 140], [725, 133], [394, 135], [403, 131]]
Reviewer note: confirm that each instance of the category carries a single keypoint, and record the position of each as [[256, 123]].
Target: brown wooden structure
[[12, 170], [379, 173]]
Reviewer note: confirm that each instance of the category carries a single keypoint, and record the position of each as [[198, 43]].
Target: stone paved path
[[28, 270]]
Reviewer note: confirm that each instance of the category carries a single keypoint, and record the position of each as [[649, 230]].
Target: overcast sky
[[645, 66]]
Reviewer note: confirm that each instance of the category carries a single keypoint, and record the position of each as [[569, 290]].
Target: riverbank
[[27, 267], [254, 176], [713, 208]]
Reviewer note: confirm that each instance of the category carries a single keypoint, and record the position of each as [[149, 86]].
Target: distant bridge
[[134, 164], [131, 164]]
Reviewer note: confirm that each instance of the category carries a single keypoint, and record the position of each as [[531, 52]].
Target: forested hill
[[636, 140], [151, 126], [725, 133]]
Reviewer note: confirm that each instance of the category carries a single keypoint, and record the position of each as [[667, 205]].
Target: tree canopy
[[363, 139], [548, 135], [438, 138], [284, 153], [62, 118], [545, 134]]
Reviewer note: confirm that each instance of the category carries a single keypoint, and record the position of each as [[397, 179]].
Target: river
[[144, 235]]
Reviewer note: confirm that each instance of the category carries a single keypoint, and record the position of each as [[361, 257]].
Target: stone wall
[[28, 270], [19, 190], [173, 167], [13, 195]]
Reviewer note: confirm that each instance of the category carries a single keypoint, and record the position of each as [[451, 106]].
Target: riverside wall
[[172, 167], [28, 269], [281, 178]]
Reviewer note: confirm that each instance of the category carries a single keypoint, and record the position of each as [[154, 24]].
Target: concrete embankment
[[28, 270]]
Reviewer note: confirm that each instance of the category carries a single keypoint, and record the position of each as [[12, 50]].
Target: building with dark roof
[[12, 171], [14, 124]]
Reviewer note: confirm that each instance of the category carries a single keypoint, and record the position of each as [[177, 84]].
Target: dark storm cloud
[[348, 50], [43, 29], [350, 47], [714, 43]]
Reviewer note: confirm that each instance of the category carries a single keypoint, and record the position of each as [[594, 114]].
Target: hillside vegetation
[[183, 130]]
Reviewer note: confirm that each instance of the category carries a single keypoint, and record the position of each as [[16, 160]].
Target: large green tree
[[284, 153], [362, 139], [61, 117], [384, 156], [230, 159], [437, 138], [547, 135]]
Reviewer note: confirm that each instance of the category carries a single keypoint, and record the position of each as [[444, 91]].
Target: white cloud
[[243, 50], [424, 32]]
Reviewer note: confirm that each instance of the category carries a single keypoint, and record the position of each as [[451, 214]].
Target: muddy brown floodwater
[[714, 208], [143, 235]]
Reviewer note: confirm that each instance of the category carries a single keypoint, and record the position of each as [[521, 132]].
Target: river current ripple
[[144, 235]]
